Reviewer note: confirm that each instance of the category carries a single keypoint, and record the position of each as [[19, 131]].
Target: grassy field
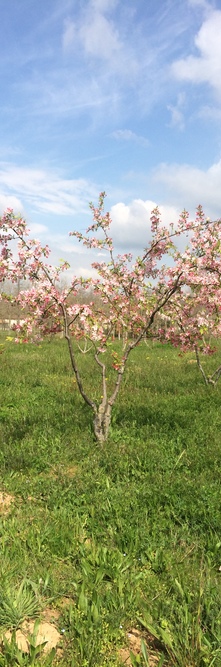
[[120, 547]]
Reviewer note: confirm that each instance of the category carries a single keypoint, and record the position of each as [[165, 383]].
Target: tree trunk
[[102, 422]]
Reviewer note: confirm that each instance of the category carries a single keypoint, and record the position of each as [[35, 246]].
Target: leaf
[[179, 587], [83, 602], [135, 659], [150, 628], [144, 652]]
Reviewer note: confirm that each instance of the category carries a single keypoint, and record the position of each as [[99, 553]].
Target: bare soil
[[134, 637], [5, 502], [46, 633]]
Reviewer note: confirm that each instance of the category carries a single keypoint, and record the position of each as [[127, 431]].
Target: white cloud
[[210, 113], [69, 34], [64, 244], [104, 5], [10, 201], [177, 115], [128, 135], [206, 67], [80, 258], [86, 272], [37, 228], [106, 54], [203, 4], [100, 38], [46, 191], [94, 32], [190, 186], [131, 223]]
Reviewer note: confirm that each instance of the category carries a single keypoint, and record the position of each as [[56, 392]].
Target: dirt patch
[[50, 614], [134, 645], [87, 542], [65, 602], [134, 637], [71, 471], [54, 472], [46, 633], [5, 502]]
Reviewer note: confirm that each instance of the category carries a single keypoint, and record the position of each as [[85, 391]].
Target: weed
[[18, 604], [13, 655]]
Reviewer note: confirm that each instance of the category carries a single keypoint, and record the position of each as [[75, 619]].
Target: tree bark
[[102, 422]]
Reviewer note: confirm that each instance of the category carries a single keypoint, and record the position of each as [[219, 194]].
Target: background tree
[[194, 319]]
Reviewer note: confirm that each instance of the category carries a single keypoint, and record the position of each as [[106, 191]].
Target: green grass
[[130, 533]]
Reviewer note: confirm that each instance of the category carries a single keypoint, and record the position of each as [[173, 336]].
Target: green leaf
[[144, 652]]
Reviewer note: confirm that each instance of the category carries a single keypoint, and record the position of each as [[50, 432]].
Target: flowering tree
[[131, 293], [194, 315]]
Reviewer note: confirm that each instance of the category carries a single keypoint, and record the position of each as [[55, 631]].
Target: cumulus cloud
[[131, 223], [188, 186], [130, 229], [206, 66]]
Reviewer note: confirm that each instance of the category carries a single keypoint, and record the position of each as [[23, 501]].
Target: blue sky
[[115, 95]]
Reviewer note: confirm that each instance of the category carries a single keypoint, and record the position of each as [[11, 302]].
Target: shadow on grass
[[31, 441], [157, 417]]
